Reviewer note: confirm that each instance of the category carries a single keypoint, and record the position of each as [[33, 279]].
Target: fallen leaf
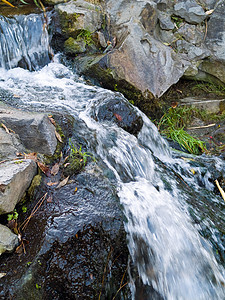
[[67, 164], [209, 12], [52, 183], [63, 182], [19, 154], [192, 171], [75, 190], [58, 136], [66, 159], [52, 120], [55, 169], [32, 155], [16, 96], [119, 118], [19, 249], [2, 275], [44, 169], [50, 198], [6, 129]]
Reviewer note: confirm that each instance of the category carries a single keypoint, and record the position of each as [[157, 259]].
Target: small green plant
[[172, 125], [77, 160], [24, 209], [78, 152], [86, 36], [29, 263], [13, 216], [38, 287], [177, 21]]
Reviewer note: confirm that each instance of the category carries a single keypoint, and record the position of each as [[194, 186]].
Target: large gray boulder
[[154, 43], [35, 130], [8, 240], [15, 178]]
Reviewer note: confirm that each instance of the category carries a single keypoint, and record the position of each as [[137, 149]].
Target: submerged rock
[[121, 112], [8, 240], [15, 178]]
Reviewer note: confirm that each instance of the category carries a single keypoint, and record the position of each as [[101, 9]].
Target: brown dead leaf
[[52, 120], [66, 159], [6, 129], [2, 187], [62, 183], [32, 155], [44, 168], [55, 169], [16, 96], [19, 154], [67, 164], [52, 183], [58, 136], [19, 249], [50, 198]]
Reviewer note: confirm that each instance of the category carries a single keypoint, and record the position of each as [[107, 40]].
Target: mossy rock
[[72, 46], [74, 164], [34, 184]]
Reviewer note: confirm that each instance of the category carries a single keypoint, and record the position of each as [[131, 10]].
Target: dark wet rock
[[190, 10], [77, 245], [121, 112], [15, 178], [35, 130], [8, 240]]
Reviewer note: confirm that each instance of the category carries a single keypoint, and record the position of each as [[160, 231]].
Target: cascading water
[[163, 220], [24, 42]]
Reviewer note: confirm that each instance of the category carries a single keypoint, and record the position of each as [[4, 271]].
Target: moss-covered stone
[[34, 184], [74, 164], [72, 46]]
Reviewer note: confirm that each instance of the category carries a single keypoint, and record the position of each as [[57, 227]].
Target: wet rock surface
[[120, 112], [77, 245]]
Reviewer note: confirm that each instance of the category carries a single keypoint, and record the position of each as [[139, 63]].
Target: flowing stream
[[167, 219]]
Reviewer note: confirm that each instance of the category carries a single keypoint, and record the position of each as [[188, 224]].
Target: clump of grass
[[77, 160], [86, 36], [172, 126], [210, 87]]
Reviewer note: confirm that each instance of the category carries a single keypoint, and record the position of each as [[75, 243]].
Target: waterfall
[[165, 241], [24, 42]]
